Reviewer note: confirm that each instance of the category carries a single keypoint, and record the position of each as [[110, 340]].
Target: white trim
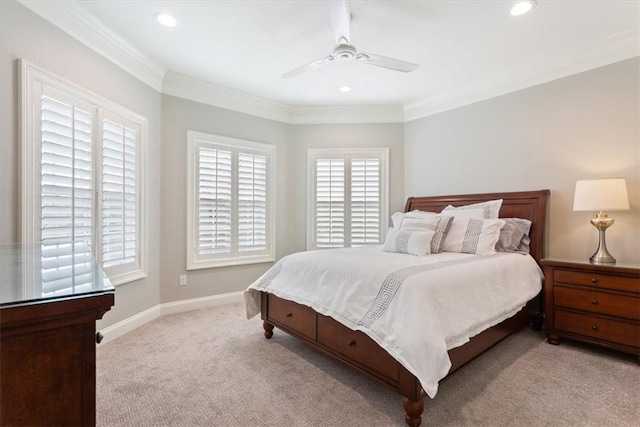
[[117, 330], [33, 79], [223, 97], [76, 21], [72, 18], [203, 302], [196, 261], [615, 48], [127, 325], [345, 153], [190, 88], [347, 114]]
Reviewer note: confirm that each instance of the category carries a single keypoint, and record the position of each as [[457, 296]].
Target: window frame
[[196, 261], [346, 154], [34, 81]]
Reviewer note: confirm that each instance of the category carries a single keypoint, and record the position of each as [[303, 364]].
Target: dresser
[[596, 304], [49, 303]]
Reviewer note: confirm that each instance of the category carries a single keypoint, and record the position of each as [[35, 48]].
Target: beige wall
[[376, 135], [179, 116], [291, 141], [581, 127], [25, 35]]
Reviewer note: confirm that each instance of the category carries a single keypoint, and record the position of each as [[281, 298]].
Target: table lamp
[[601, 195]]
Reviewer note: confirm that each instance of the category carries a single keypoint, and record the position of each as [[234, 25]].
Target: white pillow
[[490, 209], [417, 220], [398, 217], [473, 235], [412, 242]]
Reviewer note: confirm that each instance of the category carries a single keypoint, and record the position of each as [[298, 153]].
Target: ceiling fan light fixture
[[166, 19], [345, 89], [521, 7]]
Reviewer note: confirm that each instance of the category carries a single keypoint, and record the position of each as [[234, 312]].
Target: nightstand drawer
[[600, 328], [296, 318], [597, 280], [624, 306]]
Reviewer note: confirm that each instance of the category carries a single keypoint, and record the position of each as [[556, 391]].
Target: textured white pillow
[[473, 235], [417, 220], [491, 209], [398, 217], [412, 242]]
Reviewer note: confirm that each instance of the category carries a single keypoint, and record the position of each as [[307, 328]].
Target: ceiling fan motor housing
[[344, 52]]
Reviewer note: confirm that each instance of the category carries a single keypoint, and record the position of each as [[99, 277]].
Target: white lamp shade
[[601, 195]]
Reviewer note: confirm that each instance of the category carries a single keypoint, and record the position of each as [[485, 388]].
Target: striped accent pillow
[[473, 235], [439, 224], [411, 242], [489, 209]]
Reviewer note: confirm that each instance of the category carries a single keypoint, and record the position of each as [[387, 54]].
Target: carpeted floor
[[212, 367]]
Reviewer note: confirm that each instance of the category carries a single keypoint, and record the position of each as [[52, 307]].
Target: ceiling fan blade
[[386, 62], [315, 64], [340, 20]]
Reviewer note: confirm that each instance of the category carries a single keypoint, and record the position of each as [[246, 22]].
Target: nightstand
[[596, 304]]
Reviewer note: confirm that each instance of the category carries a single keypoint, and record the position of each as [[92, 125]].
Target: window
[[231, 201], [347, 197], [83, 182]]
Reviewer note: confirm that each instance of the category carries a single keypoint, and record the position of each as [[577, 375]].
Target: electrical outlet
[[183, 280]]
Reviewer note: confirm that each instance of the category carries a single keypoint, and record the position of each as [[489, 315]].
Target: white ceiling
[[465, 49]]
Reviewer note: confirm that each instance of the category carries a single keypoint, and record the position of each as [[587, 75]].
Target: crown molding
[[615, 48], [73, 19], [347, 114], [223, 97], [79, 23]]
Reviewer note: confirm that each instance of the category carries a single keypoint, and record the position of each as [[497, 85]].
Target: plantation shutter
[[347, 197], [66, 194], [365, 201], [119, 194], [214, 197], [330, 203], [252, 202], [82, 184]]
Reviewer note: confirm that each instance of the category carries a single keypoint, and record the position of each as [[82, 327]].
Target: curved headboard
[[531, 205]]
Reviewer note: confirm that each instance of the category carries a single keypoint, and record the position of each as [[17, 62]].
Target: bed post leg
[[413, 410], [268, 329]]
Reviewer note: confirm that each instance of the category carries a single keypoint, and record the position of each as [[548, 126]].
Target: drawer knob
[[99, 337], [351, 343], [289, 314], [595, 301], [594, 327], [594, 280]]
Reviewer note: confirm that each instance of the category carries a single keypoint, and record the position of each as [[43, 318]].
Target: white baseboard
[[117, 330]]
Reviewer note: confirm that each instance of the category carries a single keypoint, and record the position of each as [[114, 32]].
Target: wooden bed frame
[[360, 352]]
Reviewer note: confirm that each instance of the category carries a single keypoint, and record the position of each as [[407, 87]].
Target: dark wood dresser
[[596, 304], [48, 337]]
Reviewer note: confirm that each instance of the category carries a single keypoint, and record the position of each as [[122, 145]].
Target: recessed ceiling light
[[166, 19], [345, 89], [522, 7]]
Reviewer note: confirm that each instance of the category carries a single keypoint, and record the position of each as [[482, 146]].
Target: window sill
[[130, 276], [228, 262]]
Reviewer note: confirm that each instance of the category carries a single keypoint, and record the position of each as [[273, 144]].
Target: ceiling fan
[[340, 21]]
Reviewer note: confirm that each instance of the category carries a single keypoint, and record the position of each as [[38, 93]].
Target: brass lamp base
[[602, 255]]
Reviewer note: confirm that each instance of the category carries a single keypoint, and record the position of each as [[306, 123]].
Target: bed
[[367, 353]]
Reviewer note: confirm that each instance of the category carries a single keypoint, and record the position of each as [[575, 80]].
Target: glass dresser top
[[31, 273]]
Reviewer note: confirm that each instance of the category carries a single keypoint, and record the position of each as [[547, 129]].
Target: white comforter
[[416, 308]]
